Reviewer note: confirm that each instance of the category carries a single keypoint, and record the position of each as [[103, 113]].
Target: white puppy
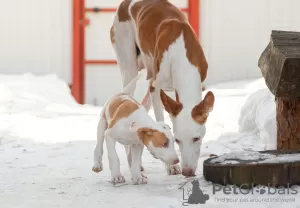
[[126, 121]]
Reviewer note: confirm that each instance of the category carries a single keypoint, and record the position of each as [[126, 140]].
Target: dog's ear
[[171, 106], [201, 111]]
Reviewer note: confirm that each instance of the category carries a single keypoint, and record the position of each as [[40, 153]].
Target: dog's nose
[[175, 161], [188, 172]]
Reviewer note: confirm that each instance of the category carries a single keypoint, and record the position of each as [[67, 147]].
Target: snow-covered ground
[[47, 142]]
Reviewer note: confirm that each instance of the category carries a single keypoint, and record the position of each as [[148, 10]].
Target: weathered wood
[[288, 124], [249, 173], [280, 64]]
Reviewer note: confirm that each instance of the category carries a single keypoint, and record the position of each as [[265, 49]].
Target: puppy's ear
[[145, 134]]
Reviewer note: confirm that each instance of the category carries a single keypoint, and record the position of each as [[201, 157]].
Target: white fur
[[125, 132]]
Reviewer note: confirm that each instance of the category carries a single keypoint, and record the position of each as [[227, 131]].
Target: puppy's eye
[[196, 139], [166, 144], [177, 141]]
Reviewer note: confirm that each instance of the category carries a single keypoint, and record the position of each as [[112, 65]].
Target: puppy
[[126, 121]]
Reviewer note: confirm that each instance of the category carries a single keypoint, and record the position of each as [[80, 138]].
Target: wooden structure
[[249, 173], [280, 67]]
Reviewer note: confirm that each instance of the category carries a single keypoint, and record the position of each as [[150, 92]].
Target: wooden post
[[280, 66]]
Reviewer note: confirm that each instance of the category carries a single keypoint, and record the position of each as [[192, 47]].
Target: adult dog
[[157, 35]]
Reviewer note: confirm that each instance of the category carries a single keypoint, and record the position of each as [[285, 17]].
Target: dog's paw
[[173, 170], [97, 167], [117, 179], [142, 179], [144, 176]]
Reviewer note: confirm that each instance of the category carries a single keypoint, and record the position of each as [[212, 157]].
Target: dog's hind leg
[[123, 41]]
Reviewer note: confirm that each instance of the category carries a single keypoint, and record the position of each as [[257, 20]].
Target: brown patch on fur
[[157, 138], [121, 108], [171, 106], [112, 35], [123, 11], [159, 24], [194, 51], [201, 111], [213, 155]]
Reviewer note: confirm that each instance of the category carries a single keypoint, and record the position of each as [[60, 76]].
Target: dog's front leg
[[114, 161], [137, 176], [157, 104]]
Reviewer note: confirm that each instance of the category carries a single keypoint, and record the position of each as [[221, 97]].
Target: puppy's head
[[159, 141]]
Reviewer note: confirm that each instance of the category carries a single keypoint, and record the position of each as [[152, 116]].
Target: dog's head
[[188, 128], [159, 141]]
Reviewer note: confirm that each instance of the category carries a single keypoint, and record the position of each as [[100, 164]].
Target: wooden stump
[[288, 124], [266, 168], [280, 66]]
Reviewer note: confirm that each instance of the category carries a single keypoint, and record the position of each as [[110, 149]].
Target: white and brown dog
[[126, 121], [157, 35]]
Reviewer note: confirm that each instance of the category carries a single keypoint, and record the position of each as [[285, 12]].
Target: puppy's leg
[[173, 169], [137, 176], [98, 152], [114, 161], [129, 156]]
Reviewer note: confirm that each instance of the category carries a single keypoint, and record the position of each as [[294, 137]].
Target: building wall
[[36, 36], [235, 32]]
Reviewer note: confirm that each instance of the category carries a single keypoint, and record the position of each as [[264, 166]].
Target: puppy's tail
[[130, 88]]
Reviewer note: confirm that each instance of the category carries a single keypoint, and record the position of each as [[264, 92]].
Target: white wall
[[36, 36], [235, 32]]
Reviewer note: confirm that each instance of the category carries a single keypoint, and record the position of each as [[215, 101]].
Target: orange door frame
[[79, 24]]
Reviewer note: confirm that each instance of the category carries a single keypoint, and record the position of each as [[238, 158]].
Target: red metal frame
[[79, 23]]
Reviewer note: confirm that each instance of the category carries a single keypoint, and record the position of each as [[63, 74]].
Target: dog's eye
[[166, 144], [177, 141], [196, 139]]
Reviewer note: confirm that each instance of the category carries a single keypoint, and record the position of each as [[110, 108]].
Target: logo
[[193, 194], [245, 193]]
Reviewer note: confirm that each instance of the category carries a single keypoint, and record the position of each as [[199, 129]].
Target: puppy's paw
[[117, 179], [137, 180], [97, 167], [173, 170]]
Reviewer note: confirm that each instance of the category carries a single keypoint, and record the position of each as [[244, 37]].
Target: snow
[[47, 142], [234, 157], [241, 155]]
